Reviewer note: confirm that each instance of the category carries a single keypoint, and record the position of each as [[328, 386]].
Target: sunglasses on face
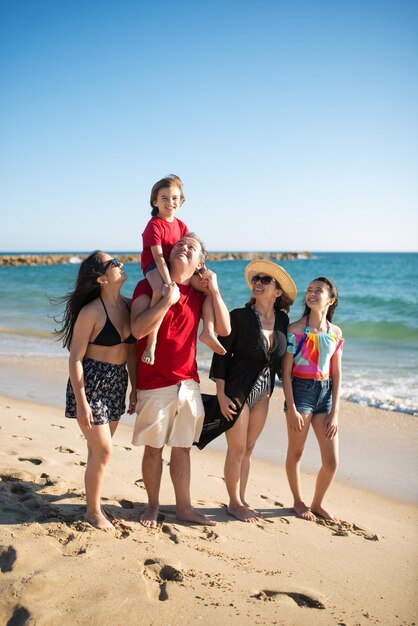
[[264, 280], [111, 263]]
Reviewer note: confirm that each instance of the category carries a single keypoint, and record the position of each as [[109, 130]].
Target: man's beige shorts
[[170, 416]]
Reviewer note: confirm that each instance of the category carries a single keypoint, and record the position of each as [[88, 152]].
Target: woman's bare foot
[[243, 513], [322, 513], [99, 521], [212, 342], [149, 517], [193, 516], [148, 355], [304, 512], [245, 503]]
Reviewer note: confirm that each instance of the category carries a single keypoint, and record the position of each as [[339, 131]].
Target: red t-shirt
[[175, 355], [159, 232]]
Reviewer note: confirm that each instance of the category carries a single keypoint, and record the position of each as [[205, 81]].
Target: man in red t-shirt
[[169, 409]]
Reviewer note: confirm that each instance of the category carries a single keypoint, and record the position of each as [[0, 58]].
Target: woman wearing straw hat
[[245, 375]]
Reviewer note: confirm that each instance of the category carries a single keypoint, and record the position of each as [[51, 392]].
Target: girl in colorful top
[[311, 375], [160, 234]]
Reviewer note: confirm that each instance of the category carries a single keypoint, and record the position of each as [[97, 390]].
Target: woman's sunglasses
[[111, 263], [264, 280]]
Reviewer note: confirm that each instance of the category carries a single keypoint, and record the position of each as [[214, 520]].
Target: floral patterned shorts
[[105, 386]]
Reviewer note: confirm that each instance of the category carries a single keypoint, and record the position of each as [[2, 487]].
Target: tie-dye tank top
[[313, 359]]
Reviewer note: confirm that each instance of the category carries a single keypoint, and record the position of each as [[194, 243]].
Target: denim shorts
[[149, 268], [312, 396]]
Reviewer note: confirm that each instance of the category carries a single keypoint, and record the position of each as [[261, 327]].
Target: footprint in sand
[[58, 426], [7, 558], [80, 463], [173, 536], [160, 575], [64, 450], [186, 532], [20, 616], [74, 543], [301, 599], [341, 528], [20, 502], [34, 461], [209, 535], [275, 502], [22, 437], [48, 482]]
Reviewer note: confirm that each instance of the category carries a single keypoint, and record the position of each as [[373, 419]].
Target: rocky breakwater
[[54, 259], [249, 256]]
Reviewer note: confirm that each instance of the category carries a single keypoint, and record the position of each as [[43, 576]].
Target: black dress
[[240, 367]]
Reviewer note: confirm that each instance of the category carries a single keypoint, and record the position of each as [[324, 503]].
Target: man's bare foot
[[191, 515], [304, 512], [323, 514], [99, 521], [243, 513], [212, 342], [148, 355], [149, 517]]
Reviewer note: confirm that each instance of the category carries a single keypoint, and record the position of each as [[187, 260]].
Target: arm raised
[[145, 319]]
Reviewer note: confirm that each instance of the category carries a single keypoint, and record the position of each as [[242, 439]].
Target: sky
[[292, 123]]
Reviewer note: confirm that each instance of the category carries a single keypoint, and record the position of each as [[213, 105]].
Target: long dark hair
[[85, 291], [333, 293], [282, 303]]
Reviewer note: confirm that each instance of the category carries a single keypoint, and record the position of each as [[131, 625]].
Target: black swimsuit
[[109, 335]]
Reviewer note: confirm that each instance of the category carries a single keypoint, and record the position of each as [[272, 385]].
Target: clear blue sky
[[293, 124]]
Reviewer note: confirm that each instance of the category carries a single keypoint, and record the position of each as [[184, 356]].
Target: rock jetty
[[55, 259]]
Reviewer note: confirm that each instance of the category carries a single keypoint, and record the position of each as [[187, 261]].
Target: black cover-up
[[240, 367]]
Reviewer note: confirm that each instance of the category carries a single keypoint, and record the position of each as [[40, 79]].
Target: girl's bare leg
[[296, 446], [329, 457], [156, 283], [99, 445], [207, 336], [256, 422]]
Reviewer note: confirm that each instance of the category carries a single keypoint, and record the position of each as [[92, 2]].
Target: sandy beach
[[55, 567]]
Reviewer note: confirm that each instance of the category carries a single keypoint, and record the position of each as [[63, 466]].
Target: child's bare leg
[[156, 283], [329, 456], [296, 446], [207, 336]]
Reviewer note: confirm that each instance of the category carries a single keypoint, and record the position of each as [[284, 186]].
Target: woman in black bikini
[[95, 327]]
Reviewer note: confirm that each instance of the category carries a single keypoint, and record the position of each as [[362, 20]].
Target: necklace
[[263, 315], [263, 335]]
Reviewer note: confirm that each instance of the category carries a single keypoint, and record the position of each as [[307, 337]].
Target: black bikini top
[[109, 335]]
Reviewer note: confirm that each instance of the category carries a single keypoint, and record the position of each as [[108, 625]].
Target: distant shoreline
[[17, 259]]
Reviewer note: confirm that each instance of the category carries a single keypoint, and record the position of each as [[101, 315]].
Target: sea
[[378, 314]]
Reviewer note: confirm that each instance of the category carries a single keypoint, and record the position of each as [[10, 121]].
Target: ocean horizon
[[378, 313]]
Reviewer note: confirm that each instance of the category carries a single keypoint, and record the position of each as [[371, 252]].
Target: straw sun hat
[[259, 266]]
